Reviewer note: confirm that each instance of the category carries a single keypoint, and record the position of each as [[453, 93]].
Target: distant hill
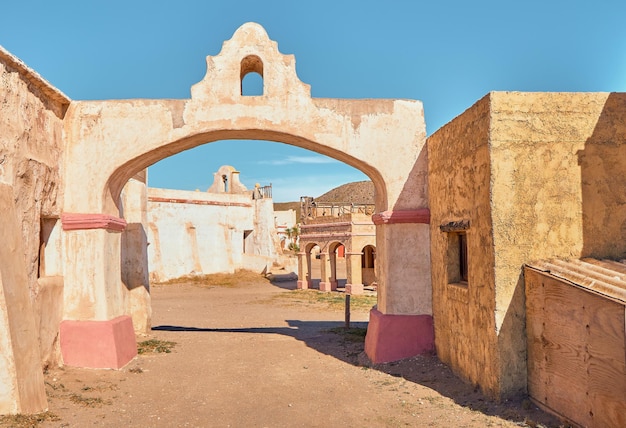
[[359, 192]]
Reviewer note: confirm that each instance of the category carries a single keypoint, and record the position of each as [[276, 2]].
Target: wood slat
[[576, 351]]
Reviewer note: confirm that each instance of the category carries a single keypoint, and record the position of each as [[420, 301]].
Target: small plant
[[88, 401], [353, 334], [102, 386], [293, 233], [55, 387], [155, 346], [333, 301], [28, 421]]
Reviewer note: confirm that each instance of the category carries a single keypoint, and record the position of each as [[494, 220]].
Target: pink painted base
[[328, 286], [394, 337], [98, 344], [354, 289], [302, 285]]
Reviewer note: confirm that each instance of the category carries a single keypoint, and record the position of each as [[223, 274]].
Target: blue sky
[[448, 54]]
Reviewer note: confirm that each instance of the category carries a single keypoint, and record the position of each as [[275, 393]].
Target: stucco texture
[[382, 138], [537, 175], [193, 233], [31, 115], [459, 189]]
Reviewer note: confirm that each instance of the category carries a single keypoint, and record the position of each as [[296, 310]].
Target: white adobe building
[[226, 228]]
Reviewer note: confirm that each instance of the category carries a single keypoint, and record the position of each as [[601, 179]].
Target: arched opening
[[251, 76], [270, 168], [126, 137], [301, 153], [188, 255], [249, 141], [368, 259], [252, 85], [293, 171], [312, 252], [336, 251]]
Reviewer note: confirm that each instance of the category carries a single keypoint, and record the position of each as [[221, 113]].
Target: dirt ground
[[258, 354]]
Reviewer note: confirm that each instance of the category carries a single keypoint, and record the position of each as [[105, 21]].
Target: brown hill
[[359, 192]]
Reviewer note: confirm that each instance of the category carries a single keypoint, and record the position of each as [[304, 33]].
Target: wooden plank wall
[[576, 352]]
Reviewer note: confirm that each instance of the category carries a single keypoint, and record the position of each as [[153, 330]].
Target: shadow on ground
[[331, 338], [286, 283]]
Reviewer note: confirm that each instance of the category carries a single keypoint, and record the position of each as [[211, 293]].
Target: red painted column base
[[302, 285], [328, 286], [98, 344], [354, 289], [394, 337]]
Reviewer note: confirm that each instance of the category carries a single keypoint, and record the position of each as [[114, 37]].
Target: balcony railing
[[310, 209]]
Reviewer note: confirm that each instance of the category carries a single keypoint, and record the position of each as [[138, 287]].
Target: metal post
[[347, 311]]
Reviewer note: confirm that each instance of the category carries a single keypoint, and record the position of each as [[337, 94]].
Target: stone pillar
[[401, 325], [135, 253], [95, 331], [304, 276], [326, 281], [354, 283], [333, 270]]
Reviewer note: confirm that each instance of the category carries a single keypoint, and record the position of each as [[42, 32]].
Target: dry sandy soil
[[258, 354]]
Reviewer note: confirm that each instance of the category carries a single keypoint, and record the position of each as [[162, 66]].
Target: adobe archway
[[107, 142]]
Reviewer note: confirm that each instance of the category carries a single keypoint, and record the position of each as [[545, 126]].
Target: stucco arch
[[108, 142], [332, 246], [122, 137], [309, 247], [113, 186]]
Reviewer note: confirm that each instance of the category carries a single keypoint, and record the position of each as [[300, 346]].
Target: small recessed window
[[251, 76], [247, 242], [463, 256], [457, 254]]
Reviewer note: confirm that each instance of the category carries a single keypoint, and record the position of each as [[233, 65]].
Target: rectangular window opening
[[457, 257], [247, 242], [49, 261], [463, 256]]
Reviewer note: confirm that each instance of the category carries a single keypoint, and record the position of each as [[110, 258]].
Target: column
[[354, 283], [326, 281], [95, 331], [304, 276], [401, 325], [333, 270]]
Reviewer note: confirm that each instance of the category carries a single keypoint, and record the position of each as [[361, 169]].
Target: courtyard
[[249, 353]]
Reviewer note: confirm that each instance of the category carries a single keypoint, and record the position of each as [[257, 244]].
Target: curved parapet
[[249, 50]]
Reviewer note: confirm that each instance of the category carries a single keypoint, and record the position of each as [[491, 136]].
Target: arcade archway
[[382, 138]]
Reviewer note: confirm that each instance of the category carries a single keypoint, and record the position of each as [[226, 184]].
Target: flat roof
[[606, 278]]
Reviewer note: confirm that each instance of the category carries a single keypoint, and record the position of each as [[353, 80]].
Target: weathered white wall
[[31, 124], [284, 220], [201, 233]]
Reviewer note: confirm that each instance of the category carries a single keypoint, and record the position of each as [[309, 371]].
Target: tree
[[293, 234]]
